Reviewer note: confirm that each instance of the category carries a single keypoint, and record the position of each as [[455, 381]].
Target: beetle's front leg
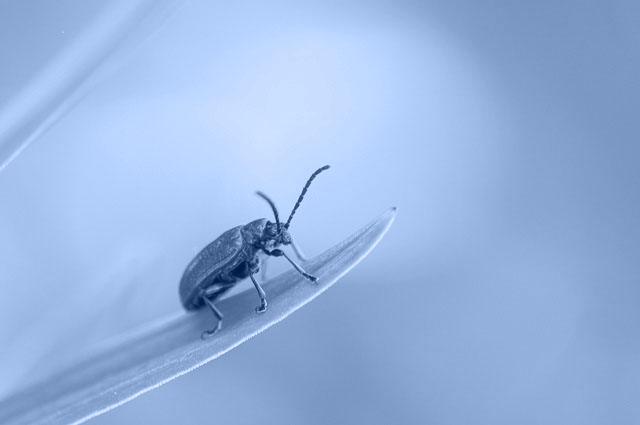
[[280, 253], [263, 270], [298, 251]]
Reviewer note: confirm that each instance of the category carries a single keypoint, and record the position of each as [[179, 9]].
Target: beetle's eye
[[270, 231]]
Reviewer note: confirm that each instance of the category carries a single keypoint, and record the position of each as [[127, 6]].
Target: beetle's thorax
[[253, 233]]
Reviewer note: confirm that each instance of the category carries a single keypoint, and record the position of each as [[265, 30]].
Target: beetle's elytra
[[236, 255]]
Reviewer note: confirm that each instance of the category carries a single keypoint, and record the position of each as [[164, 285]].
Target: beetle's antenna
[[304, 190], [273, 207]]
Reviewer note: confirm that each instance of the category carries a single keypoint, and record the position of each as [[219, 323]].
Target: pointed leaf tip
[[148, 358]]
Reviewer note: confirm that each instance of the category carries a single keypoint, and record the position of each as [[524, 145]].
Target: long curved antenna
[[304, 190], [273, 207]]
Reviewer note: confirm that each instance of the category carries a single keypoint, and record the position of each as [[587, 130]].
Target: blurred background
[[505, 132]]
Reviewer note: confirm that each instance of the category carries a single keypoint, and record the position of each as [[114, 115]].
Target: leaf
[[140, 362], [63, 81]]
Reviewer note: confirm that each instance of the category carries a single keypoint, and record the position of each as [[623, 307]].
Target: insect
[[236, 255]]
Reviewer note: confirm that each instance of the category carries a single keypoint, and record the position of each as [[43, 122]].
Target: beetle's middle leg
[[252, 268], [217, 313]]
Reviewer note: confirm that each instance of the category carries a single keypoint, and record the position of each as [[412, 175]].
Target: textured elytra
[[203, 269], [222, 263]]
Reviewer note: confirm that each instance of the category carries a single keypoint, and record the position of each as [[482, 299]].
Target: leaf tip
[[391, 213]]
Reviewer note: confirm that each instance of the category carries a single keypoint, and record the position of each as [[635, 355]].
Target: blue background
[[507, 290]]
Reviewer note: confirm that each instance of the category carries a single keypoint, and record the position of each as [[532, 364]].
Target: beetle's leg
[[217, 313], [298, 251], [263, 296], [263, 270], [280, 253]]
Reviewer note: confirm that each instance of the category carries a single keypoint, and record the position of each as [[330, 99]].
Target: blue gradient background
[[507, 133]]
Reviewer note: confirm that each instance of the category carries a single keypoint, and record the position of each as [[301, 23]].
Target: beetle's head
[[277, 233], [274, 238]]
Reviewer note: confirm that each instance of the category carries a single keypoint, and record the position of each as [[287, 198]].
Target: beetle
[[236, 255]]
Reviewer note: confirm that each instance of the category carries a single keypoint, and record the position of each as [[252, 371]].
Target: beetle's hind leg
[[217, 313]]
